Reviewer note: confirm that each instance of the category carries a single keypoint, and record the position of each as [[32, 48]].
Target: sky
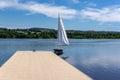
[[96, 15]]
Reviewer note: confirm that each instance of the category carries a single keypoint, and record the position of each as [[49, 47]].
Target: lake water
[[100, 59]]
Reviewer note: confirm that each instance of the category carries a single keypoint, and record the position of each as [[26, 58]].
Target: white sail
[[62, 37]]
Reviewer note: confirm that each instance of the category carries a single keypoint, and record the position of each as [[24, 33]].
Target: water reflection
[[97, 58], [100, 59], [105, 61]]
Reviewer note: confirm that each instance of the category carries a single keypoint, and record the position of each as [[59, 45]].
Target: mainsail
[[62, 36]]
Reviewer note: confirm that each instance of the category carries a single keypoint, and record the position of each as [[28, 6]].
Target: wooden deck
[[39, 65]]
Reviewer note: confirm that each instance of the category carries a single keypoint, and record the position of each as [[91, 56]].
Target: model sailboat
[[62, 36]]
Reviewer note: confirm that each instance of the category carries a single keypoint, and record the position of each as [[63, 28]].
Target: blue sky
[[98, 15]]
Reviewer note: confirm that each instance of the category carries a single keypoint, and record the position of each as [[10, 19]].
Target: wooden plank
[[39, 65]]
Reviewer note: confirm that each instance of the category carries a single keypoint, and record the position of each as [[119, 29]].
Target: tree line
[[51, 33]]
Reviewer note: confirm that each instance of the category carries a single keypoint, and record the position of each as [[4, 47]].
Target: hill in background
[[51, 33]]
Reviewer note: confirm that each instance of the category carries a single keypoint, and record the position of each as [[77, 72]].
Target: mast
[[62, 36]]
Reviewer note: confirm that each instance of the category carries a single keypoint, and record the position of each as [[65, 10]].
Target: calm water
[[100, 59]]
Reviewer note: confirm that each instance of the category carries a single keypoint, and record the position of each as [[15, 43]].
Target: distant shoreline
[[44, 33]]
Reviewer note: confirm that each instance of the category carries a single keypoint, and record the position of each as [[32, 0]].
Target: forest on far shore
[[44, 33]]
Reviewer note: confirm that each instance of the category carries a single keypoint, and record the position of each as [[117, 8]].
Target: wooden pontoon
[[39, 65]]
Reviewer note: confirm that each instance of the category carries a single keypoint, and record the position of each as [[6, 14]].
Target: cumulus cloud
[[108, 14], [45, 9], [48, 10]]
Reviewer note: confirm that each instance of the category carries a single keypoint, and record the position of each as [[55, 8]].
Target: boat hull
[[58, 51]]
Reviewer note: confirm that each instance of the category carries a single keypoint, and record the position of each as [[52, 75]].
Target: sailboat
[[62, 39]]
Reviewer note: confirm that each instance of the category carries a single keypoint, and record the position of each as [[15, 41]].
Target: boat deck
[[39, 65]]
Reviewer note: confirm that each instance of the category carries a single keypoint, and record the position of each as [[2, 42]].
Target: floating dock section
[[39, 65]]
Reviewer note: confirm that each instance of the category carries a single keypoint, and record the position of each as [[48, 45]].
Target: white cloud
[[49, 10], [76, 1], [91, 5], [108, 14], [7, 3], [45, 9]]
